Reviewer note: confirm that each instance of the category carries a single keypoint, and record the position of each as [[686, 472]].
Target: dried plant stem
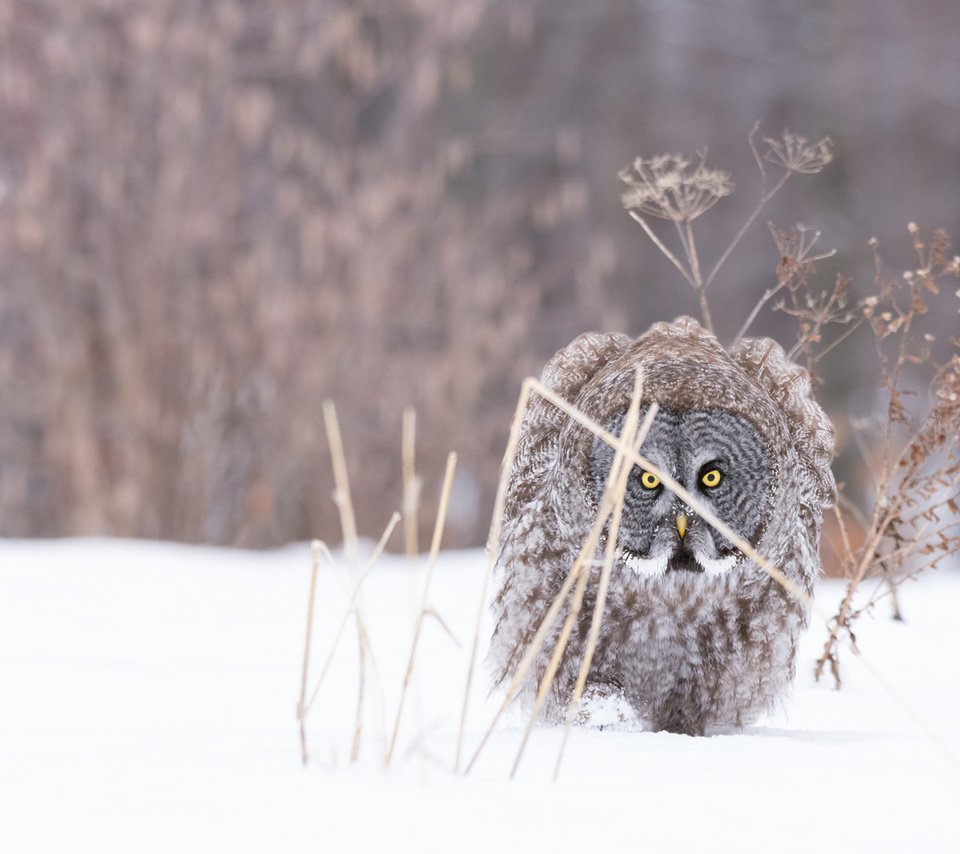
[[493, 544], [764, 199], [768, 294], [611, 507], [531, 652], [605, 573], [411, 483], [698, 285], [301, 710], [434, 550], [840, 621], [341, 495], [352, 606], [848, 557], [839, 340], [586, 554], [358, 720], [663, 248], [583, 573], [361, 627]]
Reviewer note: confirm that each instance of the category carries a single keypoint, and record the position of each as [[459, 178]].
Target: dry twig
[[915, 457]]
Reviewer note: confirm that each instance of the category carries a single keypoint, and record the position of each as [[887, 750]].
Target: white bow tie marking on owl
[[717, 456]]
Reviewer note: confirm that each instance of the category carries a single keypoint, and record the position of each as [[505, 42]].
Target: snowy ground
[[148, 697]]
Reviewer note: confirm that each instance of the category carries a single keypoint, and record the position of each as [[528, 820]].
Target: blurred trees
[[215, 215]]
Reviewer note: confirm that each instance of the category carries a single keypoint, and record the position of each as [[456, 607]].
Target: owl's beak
[[681, 524]]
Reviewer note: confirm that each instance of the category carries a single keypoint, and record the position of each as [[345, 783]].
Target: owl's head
[[719, 457], [739, 429]]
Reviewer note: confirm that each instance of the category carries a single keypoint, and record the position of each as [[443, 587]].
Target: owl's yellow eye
[[649, 481], [711, 478]]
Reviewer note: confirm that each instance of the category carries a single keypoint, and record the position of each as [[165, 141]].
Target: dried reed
[[424, 609], [341, 495], [314, 566], [603, 587], [411, 483], [611, 507], [493, 545], [352, 605]]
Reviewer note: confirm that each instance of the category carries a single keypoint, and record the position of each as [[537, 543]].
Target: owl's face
[[718, 457]]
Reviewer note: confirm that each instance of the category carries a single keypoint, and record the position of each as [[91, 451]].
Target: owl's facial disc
[[717, 456]]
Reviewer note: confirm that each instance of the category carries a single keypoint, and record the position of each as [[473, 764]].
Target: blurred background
[[215, 215]]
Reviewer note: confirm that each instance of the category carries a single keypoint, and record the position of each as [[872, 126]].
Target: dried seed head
[[669, 186], [795, 154]]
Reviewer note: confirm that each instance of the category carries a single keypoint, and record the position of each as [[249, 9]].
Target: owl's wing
[[810, 429]]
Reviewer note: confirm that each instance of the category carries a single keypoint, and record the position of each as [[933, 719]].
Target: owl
[[694, 634]]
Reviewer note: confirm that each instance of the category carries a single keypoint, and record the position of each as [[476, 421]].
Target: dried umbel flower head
[[670, 186], [795, 154]]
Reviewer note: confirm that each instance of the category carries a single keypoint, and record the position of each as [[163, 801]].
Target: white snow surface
[[148, 695]]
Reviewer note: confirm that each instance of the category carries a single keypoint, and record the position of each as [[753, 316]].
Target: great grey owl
[[694, 634]]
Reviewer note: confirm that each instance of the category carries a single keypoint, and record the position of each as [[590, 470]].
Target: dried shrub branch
[[914, 448]]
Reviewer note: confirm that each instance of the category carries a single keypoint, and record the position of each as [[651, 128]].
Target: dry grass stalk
[[411, 483], [493, 545], [352, 606], [301, 710], [582, 572], [424, 609], [915, 520], [605, 573], [361, 625], [361, 689], [593, 538], [671, 188], [341, 495], [611, 507]]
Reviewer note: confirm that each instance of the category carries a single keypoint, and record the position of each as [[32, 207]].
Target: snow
[[148, 704]]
